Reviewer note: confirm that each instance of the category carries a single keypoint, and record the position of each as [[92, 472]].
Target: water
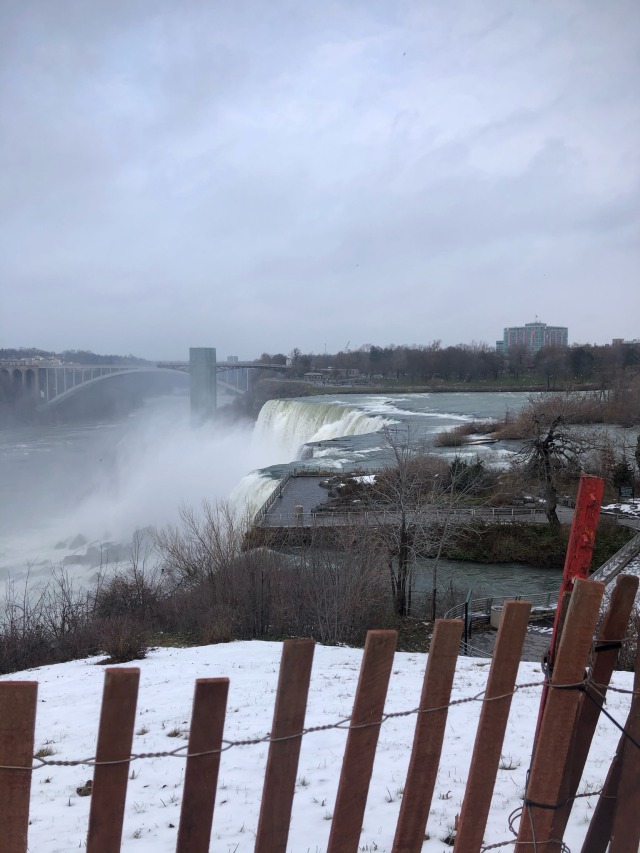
[[75, 495]]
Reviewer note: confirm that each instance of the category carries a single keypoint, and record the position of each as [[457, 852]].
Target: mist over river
[[74, 495]]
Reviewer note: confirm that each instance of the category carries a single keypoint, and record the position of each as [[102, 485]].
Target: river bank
[[539, 546]]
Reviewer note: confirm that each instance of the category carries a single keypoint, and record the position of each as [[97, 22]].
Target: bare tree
[[418, 503], [553, 452], [202, 544]]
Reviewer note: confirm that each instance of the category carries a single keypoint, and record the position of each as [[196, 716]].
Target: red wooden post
[[282, 764], [115, 736], [554, 738], [577, 561], [492, 726], [360, 750], [428, 738], [17, 724], [201, 777]]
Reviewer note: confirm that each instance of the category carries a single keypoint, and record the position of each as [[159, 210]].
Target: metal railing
[[480, 608], [370, 517], [613, 566]]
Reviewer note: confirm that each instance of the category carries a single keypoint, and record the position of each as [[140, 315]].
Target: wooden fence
[[570, 716]]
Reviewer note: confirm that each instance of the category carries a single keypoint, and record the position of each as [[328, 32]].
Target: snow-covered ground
[[630, 508], [67, 722]]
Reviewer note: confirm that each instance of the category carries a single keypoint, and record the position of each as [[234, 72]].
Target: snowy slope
[[68, 712]]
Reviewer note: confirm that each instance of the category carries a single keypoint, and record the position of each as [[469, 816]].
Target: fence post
[[492, 726], [359, 754], [613, 629], [556, 728], [429, 735], [201, 776], [625, 833], [282, 763], [17, 724], [115, 736], [615, 817]]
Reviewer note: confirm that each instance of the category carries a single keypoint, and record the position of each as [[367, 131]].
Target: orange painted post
[[613, 630], [201, 777], [554, 738], [429, 735], [357, 764], [115, 736], [577, 561], [17, 725], [492, 726], [282, 763]]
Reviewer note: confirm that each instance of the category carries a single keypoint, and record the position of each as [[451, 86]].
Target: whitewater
[[73, 496]]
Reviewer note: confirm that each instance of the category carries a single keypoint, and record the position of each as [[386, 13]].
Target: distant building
[[534, 336]]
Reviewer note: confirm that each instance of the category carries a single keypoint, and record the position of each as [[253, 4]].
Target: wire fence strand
[[343, 724]]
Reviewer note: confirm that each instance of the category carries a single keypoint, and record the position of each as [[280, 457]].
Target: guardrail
[[277, 492], [480, 608], [259, 517], [374, 518], [613, 566]]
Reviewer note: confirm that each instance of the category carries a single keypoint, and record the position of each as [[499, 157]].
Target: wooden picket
[[606, 654], [17, 727], [282, 763], [201, 776], [429, 736], [115, 736], [362, 740], [492, 726], [615, 818], [554, 741], [558, 759]]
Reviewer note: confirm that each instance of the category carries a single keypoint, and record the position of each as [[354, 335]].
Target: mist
[[82, 486]]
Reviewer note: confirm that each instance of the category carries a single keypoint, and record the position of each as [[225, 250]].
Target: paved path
[[535, 645], [305, 491]]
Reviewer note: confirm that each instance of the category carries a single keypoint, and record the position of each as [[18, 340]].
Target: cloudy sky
[[261, 176]]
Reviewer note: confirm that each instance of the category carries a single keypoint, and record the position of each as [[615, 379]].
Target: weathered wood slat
[[17, 725], [613, 628], [429, 736], [625, 832], [282, 763], [361, 745], [615, 817], [115, 736], [201, 776], [492, 726], [554, 740]]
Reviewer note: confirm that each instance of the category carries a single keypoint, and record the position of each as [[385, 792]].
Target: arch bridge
[[53, 383]]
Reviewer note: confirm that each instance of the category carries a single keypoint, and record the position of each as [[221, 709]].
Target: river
[[73, 496]]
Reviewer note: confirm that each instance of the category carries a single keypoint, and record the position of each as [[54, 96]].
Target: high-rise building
[[534, 336]]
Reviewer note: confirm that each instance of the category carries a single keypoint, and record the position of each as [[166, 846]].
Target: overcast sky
[[258, 176]]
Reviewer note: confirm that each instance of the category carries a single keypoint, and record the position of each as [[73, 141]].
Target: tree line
[[552, 367]]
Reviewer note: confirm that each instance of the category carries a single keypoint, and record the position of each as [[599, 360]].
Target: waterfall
[[284, 427], [289, 424]]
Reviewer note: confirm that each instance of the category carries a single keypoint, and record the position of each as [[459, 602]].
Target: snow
[[67, 721], [630, 508]]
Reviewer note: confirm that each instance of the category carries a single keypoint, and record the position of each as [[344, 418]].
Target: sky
[[262, 176]]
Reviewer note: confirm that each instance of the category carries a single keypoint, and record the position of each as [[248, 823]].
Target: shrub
[[122, 639]]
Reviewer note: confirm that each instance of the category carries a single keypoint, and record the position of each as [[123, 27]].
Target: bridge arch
[[85, 383], [17, 376]]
